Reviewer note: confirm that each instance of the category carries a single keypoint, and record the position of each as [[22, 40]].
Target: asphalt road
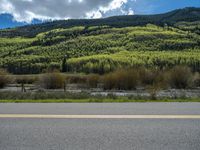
[[100, 134], [103, 109]]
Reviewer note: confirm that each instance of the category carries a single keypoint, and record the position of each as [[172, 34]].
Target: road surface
[[128, 126]]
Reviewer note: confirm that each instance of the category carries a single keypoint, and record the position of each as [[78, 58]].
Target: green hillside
[[105, 44]]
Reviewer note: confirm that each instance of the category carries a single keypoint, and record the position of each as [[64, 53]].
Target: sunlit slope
[[33, 55]]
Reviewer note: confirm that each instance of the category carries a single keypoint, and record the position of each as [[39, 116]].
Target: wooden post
[[23, 88]]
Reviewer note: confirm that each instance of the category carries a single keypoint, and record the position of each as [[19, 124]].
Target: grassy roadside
[[97, 101]]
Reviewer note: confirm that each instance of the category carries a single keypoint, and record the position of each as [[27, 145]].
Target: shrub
[[121, 80], [54, 80], [196, 80], [25, 79], [76, 79], [93, 80], [180, 77], [4, 78], [147, 76], [109, 81]]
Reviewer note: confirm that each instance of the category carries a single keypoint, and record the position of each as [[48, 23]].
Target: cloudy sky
[[28, 10]]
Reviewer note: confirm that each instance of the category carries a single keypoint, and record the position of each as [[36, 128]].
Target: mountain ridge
[[188, 14]]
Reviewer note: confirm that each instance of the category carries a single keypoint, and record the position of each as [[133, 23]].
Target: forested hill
[[189, 14], [103, 45]]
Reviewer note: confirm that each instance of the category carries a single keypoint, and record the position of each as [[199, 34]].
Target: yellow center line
[[38, 116]]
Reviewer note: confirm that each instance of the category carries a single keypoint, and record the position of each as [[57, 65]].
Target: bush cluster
[[76, 79], [196, 80], [53, 80], [179, 77], [121, 80], [26, 79], [4, 78], [93, 80]]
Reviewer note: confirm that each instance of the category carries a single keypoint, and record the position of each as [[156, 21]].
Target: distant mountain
[[7, 21], [189, 14]]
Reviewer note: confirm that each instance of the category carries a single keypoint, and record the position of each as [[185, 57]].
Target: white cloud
[[6, 6], [27, 10], [130, 12]]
